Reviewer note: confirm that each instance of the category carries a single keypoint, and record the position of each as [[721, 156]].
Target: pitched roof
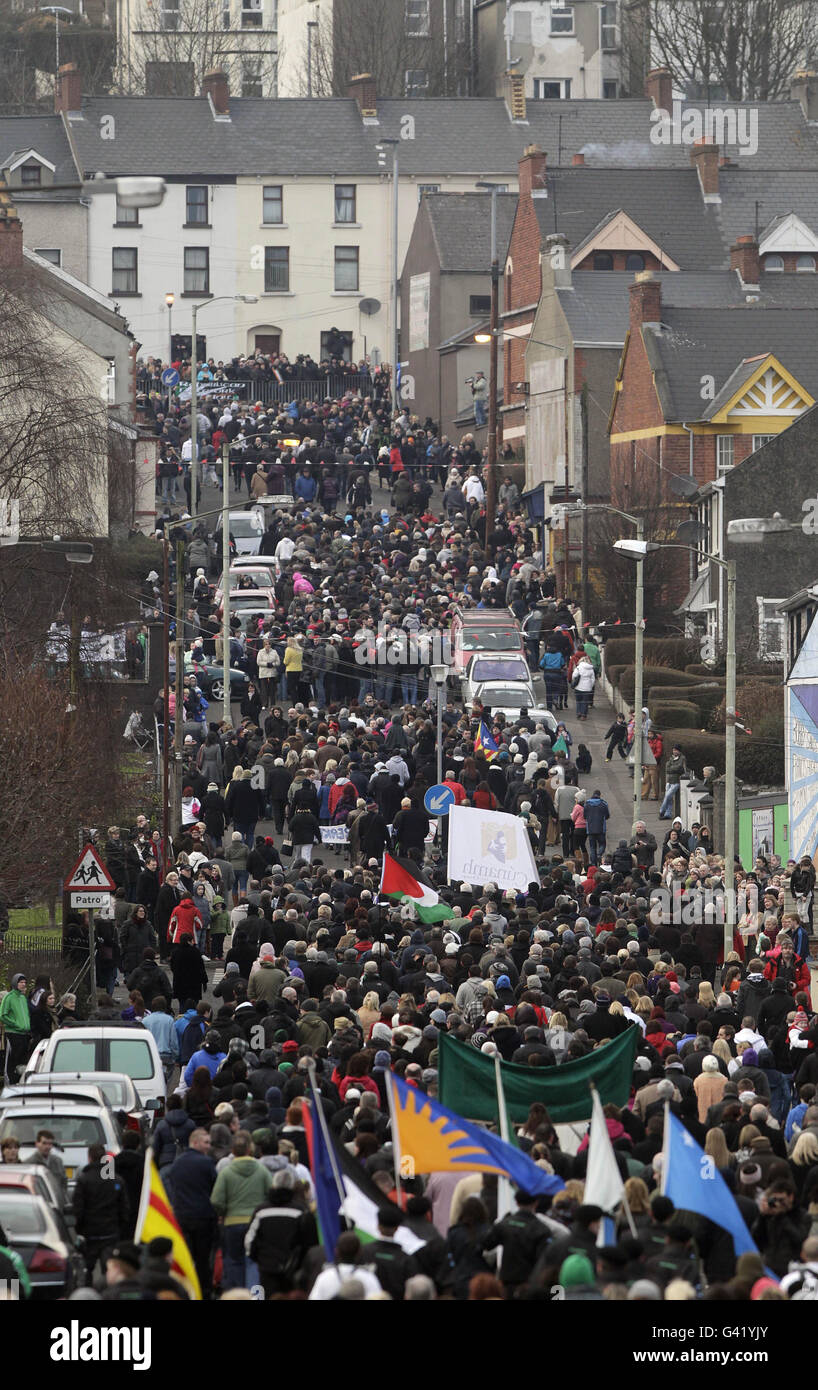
[[461, 227], [750, 198], [177, 136], [597, 305], [43, 134], [692, 343], [665, 203]]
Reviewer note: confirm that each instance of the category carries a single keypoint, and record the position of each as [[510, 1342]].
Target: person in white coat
[[583, 681]]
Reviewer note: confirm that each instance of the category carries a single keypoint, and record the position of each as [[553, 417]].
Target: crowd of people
[[257, 951]]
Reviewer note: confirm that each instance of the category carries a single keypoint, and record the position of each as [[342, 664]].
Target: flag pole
[[504, 1202], [322, 1120], [396, 1154], [623, 1199]]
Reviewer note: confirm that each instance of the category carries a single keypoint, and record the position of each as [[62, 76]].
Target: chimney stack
[[705, 159], [11, 235], [646, 299], [363, 89], [215, 86], [578, 160], [659, 87], [559, 257], [745, 259], [68, 94], [804, 89], [532, 171]]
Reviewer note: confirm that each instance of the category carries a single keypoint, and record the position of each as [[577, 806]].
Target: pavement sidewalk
[[614, 779]]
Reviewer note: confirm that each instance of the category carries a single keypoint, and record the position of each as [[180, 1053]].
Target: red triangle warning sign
[[89, 872]]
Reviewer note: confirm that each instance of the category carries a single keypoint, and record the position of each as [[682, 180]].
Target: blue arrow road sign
[[438, 799], [170, 377]]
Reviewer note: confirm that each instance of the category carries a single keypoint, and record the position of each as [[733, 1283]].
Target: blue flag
[[432, 1139], [692, 1181], [327, 1197]]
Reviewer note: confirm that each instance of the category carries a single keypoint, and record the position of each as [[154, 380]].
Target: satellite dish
[[683, 485], [369, 306]]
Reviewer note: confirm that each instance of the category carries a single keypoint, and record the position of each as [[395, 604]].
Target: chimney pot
[[516, 96], [659, 87], [68, 93], [744, 257], [364, 90], [215, 86]]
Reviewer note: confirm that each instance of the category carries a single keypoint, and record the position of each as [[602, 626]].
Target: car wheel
[[217, 690]]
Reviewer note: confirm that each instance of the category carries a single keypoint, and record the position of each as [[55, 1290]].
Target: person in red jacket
[[185, 921], [455, 786], [783, 964]]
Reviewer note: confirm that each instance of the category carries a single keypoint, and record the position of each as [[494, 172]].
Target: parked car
[[35, 1178], [41, 1239], [114, 1087], [74, 1124], [499, 697], [482, 668], [123, 1048], [246, 528], [210, 676]]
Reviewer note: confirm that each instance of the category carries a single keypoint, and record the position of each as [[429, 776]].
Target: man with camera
[[479, 391]]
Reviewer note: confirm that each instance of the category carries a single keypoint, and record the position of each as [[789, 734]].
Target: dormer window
[[806, 265], [31, 175], [775, 263]]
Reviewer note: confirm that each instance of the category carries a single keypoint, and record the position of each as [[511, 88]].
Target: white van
[[126, 1048]]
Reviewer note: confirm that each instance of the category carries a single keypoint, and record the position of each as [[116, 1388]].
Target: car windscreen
[[20, 1215], [246, 598], [69, 1130], [245, 526], [492, 669], [492, 639]]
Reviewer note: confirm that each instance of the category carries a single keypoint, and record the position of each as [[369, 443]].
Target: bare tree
[[53, 427], [170, 49], [28, 54], [740, 50], [370, 36]]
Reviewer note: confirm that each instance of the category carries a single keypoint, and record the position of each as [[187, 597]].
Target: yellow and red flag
[[156, 1218]]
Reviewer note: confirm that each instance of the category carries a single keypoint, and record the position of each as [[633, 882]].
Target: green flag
[[467, 1081], [560, 746]]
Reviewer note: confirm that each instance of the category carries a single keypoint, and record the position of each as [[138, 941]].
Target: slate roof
[[178, 137], [777, 194], [597, 307], [461, 227], [692, 343], [666, 204], [46, 135]]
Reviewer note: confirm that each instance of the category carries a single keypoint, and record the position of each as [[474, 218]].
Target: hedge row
[[659, 651], [759, 759], [652, 676], [680, 713]]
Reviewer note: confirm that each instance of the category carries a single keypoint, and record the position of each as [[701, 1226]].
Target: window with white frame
[[276, 269], [52, 254], [416, 82], [417, 19], [346, 267], [124, 270], [724, 453], [562, 19], [425, 188], [805, 264], [273, 203], [345, 202], [759, 440], [772, 630], [251, 14], [196, 209], [608, 27], [556, 89], [197, 270], [775, 263], [126, 217], [169, 18]]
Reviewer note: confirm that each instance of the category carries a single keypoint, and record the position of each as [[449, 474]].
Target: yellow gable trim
[[760, 424], [754, 401]]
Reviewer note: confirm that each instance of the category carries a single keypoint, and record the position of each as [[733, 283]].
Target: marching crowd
[[315, 971]]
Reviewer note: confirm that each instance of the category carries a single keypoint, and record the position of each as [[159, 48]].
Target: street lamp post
[[381, 147], [194, 404], [169, 300], [494, 325], [311, 24], [57, 10], [438, 674], [637, 550]]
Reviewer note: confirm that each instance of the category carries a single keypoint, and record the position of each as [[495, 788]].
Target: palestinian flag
[[402, 881], [364, 1199]]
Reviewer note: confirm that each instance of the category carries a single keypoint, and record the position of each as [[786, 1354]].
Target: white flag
[[603, 1181], [490, 847]]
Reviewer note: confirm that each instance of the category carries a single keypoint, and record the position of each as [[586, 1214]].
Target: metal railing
[[271, 392]]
